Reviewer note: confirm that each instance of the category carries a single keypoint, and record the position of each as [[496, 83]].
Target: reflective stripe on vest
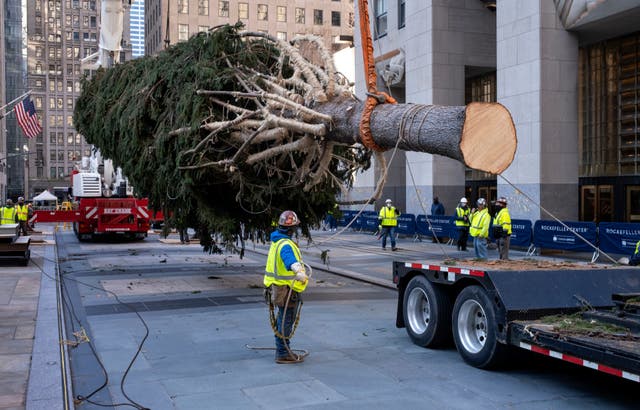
[[275, 266], [275, 271], [8, 215], [461, 212], [503, 219], [388, 216], [23, 211], [477, 222]]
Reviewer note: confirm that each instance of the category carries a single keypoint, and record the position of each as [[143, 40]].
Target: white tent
[[45, 196]]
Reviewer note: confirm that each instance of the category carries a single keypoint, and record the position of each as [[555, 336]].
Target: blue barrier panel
[[521, 231], [443, 226], [552, 235], [618, 237], [370, 223], [347, 216], [407, 224], [422, 227]]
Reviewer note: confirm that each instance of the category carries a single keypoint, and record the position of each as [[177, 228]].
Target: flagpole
[[11, 102]]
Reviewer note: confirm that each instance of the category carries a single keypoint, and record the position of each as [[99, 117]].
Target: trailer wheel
[[475, 329], [427, 313]]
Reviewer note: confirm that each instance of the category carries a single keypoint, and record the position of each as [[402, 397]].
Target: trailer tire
[[427, 313], [475, 329]]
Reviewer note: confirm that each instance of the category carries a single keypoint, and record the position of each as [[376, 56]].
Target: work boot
[[394, 249], [289, 359]]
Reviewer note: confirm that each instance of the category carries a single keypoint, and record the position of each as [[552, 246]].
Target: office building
[[136, 27], [568, 71], [332, 20], [60, 34]]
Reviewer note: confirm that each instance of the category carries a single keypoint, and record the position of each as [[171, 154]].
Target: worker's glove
[[301, 275]]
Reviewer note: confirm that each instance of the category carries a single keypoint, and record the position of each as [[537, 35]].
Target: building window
[[223, 9], [243, 11], [608, 114], [183, 6], [183, 32], [380, 11], [203, 29], [203, 7], [281, 14], [335, 18], [281, 35], [52, 172], [317, 17], [401, 13], [299, 15], [263, 12], [481, 88]]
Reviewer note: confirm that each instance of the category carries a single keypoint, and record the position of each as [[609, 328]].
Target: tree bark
[[481, 135]]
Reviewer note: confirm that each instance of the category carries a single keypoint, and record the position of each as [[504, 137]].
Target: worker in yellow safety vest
[[502, 227], [462, 223], [388, 218], [635, 258], [22, 212], [8, 213], [285, 279], [479, 231]]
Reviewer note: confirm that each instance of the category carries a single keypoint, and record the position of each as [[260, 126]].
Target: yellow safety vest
[[23, 211], [637, 247], [503, 219], [461, 212], [480, 224], [8, 215], [388, 216], [275, 271]]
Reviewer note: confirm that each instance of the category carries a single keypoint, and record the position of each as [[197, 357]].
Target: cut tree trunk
[[481, 135]]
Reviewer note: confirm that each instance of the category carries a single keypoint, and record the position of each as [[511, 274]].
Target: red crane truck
[[105, 203]]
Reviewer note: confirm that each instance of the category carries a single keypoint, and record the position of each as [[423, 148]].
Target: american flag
[[27, 118]]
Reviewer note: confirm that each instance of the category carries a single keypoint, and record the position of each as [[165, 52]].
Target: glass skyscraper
[[137, 28], [14, 83]]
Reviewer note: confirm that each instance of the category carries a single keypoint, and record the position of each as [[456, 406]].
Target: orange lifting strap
[[374, 97]]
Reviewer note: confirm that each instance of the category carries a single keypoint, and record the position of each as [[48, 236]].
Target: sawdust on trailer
[[527, 264]]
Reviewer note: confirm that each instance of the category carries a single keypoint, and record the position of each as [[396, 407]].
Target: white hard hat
[[502, 200], [481, 201], [388, 201], [463, 200]]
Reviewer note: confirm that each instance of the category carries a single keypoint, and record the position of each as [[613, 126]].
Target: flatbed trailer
[[487, 310], [13, 246]]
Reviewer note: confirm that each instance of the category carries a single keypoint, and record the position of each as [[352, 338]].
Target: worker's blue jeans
[[480, 246], [391, 231], [281, 349]]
